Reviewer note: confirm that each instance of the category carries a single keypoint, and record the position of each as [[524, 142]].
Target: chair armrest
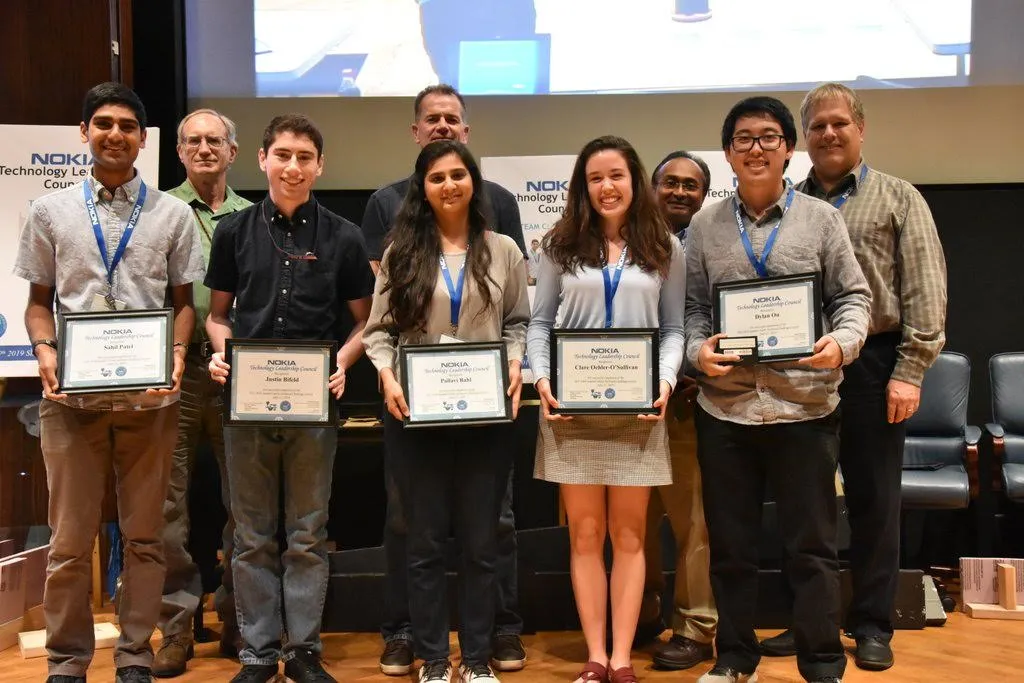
[[972, 434], [995, 429]]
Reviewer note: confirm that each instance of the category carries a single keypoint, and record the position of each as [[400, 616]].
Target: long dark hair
[[577, 239], [412, 263]]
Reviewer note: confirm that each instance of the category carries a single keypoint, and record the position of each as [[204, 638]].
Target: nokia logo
[[547, 185], [455, 364], [61, 159], [766, 299], [118, 330], [604, 349], [281, 362]]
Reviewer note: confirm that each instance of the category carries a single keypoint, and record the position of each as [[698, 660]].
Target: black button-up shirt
[[279, 296]]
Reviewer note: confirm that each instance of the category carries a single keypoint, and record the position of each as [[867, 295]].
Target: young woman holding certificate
[[610, 262], [447, 278]]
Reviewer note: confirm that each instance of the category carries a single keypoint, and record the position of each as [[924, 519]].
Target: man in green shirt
[[207, 148]]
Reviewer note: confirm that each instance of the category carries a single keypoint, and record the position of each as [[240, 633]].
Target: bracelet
[[52, 343], [181, 344]]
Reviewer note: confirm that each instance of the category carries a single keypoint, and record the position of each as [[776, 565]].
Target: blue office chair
[[1006, 371]]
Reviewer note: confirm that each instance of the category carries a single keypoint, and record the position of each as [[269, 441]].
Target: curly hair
[[577, 239], [412, 261]]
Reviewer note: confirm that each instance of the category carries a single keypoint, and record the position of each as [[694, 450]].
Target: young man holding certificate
[[897, 246], [110, 243], [771, 423], [290, 267]]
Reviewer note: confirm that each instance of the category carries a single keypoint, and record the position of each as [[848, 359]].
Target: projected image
[[397, 47]]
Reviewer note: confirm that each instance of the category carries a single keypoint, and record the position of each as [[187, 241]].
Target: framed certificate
[[280, 382], [448, 384], [597, 371], [783, 313], [103, 351]]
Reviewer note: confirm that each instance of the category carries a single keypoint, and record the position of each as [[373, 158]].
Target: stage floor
[[964, 649]]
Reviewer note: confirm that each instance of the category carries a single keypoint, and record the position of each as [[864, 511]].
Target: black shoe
[[647, 633], [256, 673], [508, 653], [306, 667], [397, 657], [64, 678], [133, 674], [681, 652], [782, 645], [873, 654]]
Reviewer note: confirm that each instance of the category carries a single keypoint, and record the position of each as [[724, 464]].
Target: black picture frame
[[110, 382], [277, 413], [608, 406]]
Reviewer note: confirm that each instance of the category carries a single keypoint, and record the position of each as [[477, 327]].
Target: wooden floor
[[963, 650]]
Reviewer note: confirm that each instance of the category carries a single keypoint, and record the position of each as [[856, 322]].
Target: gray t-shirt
[[58, 249]]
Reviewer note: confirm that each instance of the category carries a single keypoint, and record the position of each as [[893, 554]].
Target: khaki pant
[[694, 613], [79, 447]]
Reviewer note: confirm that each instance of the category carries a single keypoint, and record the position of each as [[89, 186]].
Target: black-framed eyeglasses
[[768, 142]]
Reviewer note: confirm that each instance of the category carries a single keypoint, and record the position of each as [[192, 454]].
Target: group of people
[[440, 258]]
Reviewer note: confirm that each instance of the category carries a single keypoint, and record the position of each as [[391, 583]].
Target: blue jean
[[261, 462], [396, 624]]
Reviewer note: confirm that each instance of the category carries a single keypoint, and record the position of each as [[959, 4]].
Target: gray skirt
[[612, 450]]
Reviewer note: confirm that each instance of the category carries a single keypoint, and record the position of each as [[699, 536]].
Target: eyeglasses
[[674, 184], [212, 141], [769, 142]]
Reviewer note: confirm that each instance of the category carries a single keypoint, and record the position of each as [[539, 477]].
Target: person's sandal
[[623, 674], [593, 673]]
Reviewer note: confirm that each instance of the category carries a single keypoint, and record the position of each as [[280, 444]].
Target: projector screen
[[306, 48], [660, 73]]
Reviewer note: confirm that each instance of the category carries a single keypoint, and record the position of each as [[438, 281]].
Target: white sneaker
[[436, 670], [725, 674], [477, 673]]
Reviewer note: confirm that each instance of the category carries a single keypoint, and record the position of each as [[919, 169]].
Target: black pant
[[871, 457], [798, 460], [450, 476]]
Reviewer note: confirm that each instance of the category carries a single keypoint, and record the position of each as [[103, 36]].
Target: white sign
[[35, 161]]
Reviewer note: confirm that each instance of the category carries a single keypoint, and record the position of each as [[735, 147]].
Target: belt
[[201, 349]]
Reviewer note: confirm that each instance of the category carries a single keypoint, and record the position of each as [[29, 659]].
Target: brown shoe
[[171, 658], [680, 653]]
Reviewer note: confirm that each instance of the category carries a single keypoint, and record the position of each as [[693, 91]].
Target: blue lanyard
[[611, 285], [97, 230], [454, 290], [838, 203], [760, 266]]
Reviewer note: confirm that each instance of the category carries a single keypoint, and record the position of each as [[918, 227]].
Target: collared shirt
[[898, 248], [58, 249], [207, 220], [384, 204], [812, 238], [278, 296]]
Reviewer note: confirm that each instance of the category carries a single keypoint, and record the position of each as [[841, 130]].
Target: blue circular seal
[[3, 325], [772, 341], [121, 371], [461, 405], [286, 406], [609, 393]]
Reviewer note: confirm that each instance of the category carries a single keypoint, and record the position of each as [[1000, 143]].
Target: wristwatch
[[52, 343]]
